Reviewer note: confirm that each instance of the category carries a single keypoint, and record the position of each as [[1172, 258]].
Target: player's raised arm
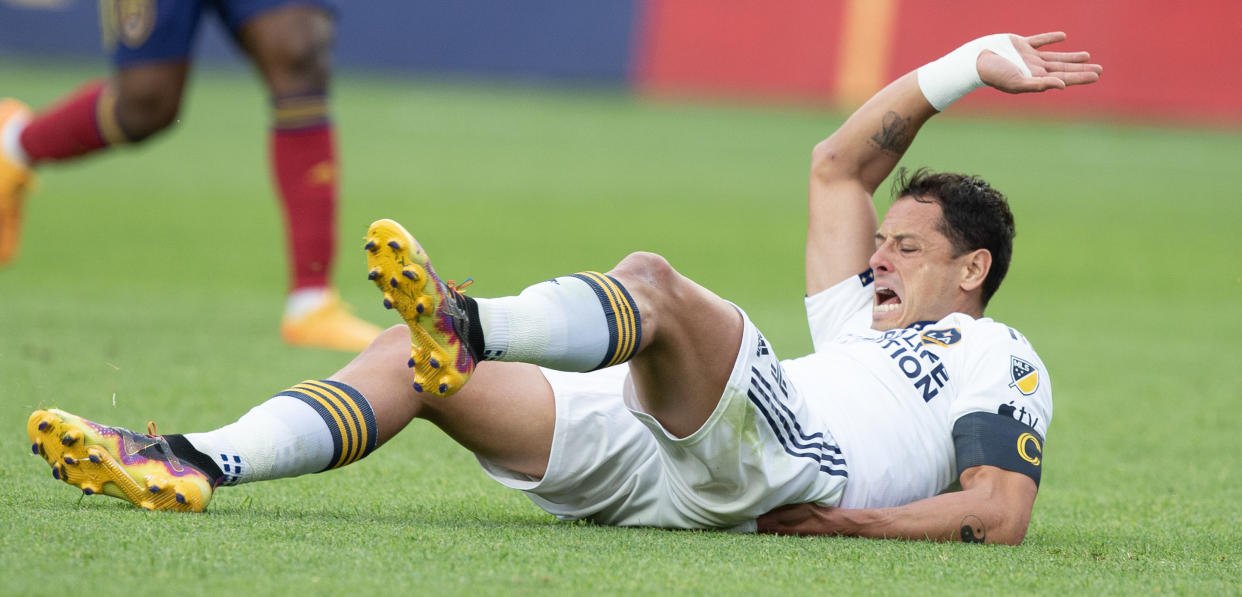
[[847, 167]]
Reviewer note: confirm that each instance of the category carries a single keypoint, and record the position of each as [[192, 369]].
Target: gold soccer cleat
[[331, 325], [140, 469], [15, 180], [436, 312]]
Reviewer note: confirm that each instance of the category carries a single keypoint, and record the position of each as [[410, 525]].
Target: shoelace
[[460, 288]]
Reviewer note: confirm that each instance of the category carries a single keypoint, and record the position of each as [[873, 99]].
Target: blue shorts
[[136, 31]]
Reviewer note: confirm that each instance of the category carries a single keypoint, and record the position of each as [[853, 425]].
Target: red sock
[[304, 164], [82, 122]]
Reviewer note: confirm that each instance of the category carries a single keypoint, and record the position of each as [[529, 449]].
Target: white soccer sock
[[313, 426], [11, 141], [304, 300], [582, 322]]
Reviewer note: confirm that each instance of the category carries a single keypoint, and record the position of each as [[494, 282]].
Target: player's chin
[[885, 320]]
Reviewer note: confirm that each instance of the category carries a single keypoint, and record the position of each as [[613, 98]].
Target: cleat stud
[[93, 458], [387, 304], [88, 491], [370, 246], [409, 274], [180, 499], [419, 307], [434, 364], [43, 425], [154, 489], [418, 387], [443, 388], [396, 246], [69, 459], [35, 447], [373, 274], [392, 282], [56, 473], [409, 364]]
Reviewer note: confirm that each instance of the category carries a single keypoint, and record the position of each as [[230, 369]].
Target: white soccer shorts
[[614, 464]]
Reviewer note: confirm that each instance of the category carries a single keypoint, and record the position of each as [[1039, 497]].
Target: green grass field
[[151, 284]]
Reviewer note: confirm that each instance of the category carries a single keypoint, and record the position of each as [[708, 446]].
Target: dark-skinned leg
[[290, 47]]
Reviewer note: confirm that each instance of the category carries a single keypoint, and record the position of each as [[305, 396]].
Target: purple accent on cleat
[[434, 364], [419, 307], [94, 459], [370, 245], [153, 489], [373, 274], [56, 473], [66, 440], [418, 387], [35, 446], [88, 491], [43, 425], [69, 459], [387, 304], [180, 499], [395, 245], [409, 364], [393, 282], [409, 275], [443, 388]]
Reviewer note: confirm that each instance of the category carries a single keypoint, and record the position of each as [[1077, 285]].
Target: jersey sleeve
[[842, 308], [1001, 413]]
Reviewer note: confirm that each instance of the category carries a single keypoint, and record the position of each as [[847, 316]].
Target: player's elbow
[[827, 161]]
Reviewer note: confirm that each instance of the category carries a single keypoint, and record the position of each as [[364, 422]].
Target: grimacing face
[[917, 278]]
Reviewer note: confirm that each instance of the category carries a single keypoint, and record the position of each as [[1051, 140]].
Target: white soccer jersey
[[891, 398]]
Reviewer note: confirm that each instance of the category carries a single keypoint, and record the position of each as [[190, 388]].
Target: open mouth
[[886, 300]]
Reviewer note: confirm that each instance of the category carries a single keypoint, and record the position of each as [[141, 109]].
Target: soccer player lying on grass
[[688, 419]]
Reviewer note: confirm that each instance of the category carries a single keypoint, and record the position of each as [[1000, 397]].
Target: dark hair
[[975, 216]]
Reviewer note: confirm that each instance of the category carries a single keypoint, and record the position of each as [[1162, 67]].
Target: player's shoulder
[[983, 331]]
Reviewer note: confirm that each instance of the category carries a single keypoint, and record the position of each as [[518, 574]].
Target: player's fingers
[[1030, 84], [1065, 56], [1044, 39], [1072, 67], [1082, 78]]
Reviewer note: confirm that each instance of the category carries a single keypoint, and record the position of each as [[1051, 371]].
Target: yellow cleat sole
[[84, 456], [401, 270]]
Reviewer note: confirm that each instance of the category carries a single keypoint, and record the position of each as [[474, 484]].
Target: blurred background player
[[289, 42]]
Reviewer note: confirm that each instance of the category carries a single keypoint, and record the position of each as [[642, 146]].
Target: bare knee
[[647, 270], [293, 49], [146, 105]]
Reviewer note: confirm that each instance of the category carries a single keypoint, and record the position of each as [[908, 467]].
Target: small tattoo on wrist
[[972, 530]]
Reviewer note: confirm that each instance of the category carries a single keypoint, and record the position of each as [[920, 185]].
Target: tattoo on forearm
[[972, 529], [894, 134]]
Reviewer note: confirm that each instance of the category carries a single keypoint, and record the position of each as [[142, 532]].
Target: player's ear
[[975, 267]]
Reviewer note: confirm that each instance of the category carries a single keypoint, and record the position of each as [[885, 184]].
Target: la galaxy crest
[[1024, 375], [946, 337]]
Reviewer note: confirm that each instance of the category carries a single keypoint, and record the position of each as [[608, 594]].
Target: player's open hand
[[1049, 70]]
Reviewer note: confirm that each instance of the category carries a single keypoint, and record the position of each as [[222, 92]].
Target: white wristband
[[946, 80]]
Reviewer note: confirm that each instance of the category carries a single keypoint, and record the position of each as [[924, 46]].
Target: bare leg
[[690, 341], [505, 414], [148, 97]]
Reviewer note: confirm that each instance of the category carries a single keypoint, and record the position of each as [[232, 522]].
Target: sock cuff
[[347, 414], [300, 112], [183, 449], [625, 327]]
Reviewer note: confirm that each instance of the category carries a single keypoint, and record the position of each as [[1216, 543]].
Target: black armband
[[991, 439]]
